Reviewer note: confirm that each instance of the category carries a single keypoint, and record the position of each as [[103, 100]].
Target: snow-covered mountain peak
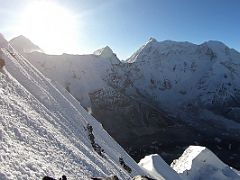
[[215, 44], [23, 44], [105, 52], [151, 40], [154, 49], [219, 50]]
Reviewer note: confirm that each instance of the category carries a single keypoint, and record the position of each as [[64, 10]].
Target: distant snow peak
[[105, 52], [214, 43], [108, 54], [23, 44], [151, 39]]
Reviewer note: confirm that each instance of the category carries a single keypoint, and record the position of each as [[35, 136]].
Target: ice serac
[[157, 168], [43, 129], [198, 162], [24, 45]]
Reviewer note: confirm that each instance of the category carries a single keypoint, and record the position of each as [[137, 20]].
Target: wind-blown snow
[[200, 163]]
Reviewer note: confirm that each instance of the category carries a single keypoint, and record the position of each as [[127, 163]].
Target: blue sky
[[125, 25]]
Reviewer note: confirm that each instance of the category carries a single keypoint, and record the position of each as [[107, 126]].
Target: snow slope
[[200, 163], [42, 129], [158, 168]]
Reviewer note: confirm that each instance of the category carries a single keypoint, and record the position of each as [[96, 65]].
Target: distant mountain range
[[165, 97]]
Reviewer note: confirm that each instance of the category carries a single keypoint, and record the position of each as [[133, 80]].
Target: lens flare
[[50, 26]]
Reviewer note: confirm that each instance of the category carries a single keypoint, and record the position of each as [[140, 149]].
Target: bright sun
[[50, 26]]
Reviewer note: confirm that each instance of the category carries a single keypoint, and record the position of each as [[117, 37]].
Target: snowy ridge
[[158, 168], [42, 129], [198, 163]]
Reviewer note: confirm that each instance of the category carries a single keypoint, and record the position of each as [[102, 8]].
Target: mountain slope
[[43, 129]]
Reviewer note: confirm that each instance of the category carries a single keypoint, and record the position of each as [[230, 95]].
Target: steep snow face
[[158, 168], [199, 162], [43, 129], [24, 45]]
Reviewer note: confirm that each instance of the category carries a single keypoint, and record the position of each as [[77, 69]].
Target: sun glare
[[50, 26]]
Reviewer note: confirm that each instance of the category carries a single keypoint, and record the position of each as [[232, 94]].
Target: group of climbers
[[95, 146], [100, 151], [124, 165]]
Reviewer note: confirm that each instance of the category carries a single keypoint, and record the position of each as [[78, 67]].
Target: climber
[[92, 138], [97, 148], [2, 63], [47, 178], [63, 177], [89, 128], [126, 167], [121, 160]]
